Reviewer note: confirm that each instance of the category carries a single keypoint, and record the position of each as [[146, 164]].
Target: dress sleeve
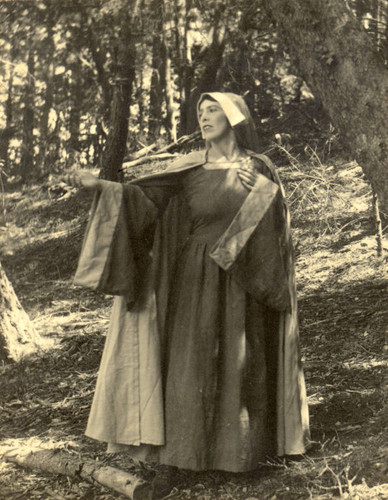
[[254, 249], [115, 255], [117, 241], [160, 189]]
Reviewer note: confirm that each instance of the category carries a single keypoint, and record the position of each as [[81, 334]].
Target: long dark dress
[[220, 354]]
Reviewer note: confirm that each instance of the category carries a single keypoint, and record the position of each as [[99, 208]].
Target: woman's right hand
[[83, 178]]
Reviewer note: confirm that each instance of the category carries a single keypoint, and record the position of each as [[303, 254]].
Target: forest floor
[[343, 303]]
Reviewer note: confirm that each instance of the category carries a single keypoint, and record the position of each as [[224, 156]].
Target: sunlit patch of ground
[[343, 303]]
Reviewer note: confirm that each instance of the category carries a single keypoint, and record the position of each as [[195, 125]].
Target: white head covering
[[238, 115], [232, 113]]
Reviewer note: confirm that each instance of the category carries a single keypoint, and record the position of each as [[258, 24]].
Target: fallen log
[[145, 159], [141, 152], [144, 152], [56, 461], [185, 139]]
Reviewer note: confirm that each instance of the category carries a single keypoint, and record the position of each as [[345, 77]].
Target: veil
[[239, 117]]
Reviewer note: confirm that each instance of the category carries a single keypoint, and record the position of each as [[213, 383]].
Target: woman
[[201, 365]]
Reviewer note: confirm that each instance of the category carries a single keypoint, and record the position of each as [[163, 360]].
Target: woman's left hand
[[248, 175]]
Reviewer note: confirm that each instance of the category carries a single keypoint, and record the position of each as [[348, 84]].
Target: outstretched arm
[[83, 178]]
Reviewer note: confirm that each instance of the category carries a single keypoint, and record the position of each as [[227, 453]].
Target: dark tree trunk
[[122, 82], [27, 155], [48, 100], [17, 335], [374, 11], [6, 135], [8, 132], [340, 63], [170, 12], [208, 80], [76, 94], [158, 72], [178, 11], [47, 106], [186, 69], [382, 27], [99, 59], [138, 95], [162, 86], [171, 122]]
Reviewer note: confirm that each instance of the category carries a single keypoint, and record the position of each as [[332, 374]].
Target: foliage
[[341, 284], [74, 47]]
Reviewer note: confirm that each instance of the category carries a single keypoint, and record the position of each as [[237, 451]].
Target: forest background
[[111, 86]]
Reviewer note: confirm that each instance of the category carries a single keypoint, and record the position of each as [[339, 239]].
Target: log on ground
[[60, 462]]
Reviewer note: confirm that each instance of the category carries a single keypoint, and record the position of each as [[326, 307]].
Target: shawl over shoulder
[[256, 249]]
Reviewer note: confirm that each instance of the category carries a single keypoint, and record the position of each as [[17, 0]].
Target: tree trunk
[[44, 140], [383, 29], [44, 120], [5, 136], [76, 95], [186, 65], [340, 63], [378, 224], [117, 139], [171, 114], [162, 86], [7, 133], [158, 77], [17, 335], [123, 79], [27, 155], [178, 10], [213, 61], [139, 93], [99, 59]]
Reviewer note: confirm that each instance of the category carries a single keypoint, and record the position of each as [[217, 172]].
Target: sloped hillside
[[343, 301]]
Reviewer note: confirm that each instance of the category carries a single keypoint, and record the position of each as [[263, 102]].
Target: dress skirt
[[220, 352], [220, 371]]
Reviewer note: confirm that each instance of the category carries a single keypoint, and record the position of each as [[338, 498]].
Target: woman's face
[[212, 120]]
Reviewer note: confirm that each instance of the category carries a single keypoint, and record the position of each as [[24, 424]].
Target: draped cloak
[[130, 251]]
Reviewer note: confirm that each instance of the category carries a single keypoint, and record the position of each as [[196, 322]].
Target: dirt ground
[[343, 303]]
